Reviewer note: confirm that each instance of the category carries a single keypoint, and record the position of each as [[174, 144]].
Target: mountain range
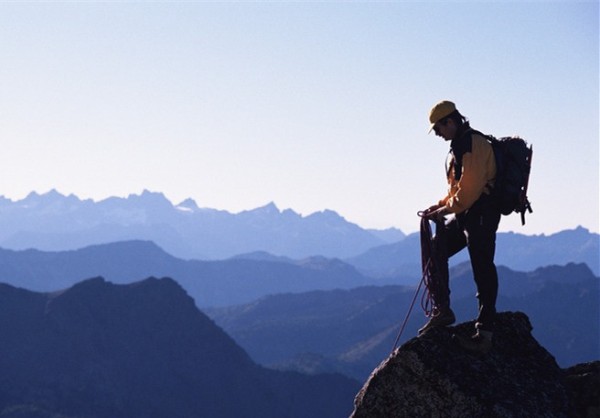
[[54, 222], [210, 283], [238, 280], [142, 350], [99, 349], [319, 314], [316, 295], [517, 251], [351, 331]]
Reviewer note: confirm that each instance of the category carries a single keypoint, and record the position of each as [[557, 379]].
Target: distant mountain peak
[[51, 197], [389, 235], [95, 284], [56, 222], [148, 195], [262, 256], [326, 214], [188, 205], [50, 194], [32, 195], [268, 209], [579, 230]]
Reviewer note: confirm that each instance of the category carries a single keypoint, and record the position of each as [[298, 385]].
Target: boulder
[[433, 376]]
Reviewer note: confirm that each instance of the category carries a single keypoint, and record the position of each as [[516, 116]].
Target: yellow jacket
[[471, 171]]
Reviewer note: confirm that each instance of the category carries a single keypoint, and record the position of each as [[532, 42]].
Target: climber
[[471, 171]]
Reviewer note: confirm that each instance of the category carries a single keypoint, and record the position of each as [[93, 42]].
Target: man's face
[[445, 128]]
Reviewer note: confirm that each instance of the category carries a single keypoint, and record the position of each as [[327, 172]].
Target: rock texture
[[432, 376], [583, 384]]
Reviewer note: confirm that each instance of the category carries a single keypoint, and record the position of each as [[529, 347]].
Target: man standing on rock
[[471, 171]]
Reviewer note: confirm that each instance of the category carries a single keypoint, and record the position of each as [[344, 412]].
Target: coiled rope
[[429, 278]]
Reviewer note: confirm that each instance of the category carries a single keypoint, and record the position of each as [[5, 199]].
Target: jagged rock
[[583, 384], [432, 376]]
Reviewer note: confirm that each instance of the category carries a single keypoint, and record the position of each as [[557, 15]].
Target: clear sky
[[311, 105]]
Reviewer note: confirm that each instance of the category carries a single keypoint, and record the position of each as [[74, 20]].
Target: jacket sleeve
[[478, 171]]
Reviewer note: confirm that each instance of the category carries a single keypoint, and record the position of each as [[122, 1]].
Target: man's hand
[[436, 212], [431, 209], [439, 214]]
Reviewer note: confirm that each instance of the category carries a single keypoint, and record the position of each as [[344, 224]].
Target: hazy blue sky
[[317, 105]]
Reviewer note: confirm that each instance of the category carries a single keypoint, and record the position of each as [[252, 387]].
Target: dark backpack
[[513, 166]]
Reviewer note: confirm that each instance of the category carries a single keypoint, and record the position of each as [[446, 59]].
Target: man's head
[[445, 119]]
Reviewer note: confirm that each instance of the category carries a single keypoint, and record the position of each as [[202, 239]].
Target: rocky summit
[[433, 376]]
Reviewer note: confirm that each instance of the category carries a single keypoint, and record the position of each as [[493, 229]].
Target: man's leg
[[448, 240], [481, 232], [481, 226]]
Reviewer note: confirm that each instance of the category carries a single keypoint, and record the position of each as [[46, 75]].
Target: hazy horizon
[[309, 105], [266, 204]]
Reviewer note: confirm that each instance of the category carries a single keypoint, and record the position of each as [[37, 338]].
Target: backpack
[[513, 166]]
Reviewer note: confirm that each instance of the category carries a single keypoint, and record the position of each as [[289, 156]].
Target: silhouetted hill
[[141, 350], [433, 376], [53, 222], [350, 331], [262, 256], [210, 283], [516, 251], [240, 279]]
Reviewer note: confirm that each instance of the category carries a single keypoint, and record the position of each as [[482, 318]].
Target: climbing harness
[[430, 262]]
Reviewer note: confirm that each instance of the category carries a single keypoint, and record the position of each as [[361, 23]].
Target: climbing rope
[[412, 304], [428, 266]]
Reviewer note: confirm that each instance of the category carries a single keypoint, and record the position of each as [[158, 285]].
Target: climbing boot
[[480, 343], [441, 318]]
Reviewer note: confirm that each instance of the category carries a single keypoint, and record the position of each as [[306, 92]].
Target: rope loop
[[428, 278]]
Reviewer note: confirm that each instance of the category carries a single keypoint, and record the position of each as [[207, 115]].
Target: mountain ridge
[[211, 283], [234, 281], [350, 331], [518, 251], [52, 222], [100, 349]]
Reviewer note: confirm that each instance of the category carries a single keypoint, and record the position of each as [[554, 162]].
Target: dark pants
[[476, 230]]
